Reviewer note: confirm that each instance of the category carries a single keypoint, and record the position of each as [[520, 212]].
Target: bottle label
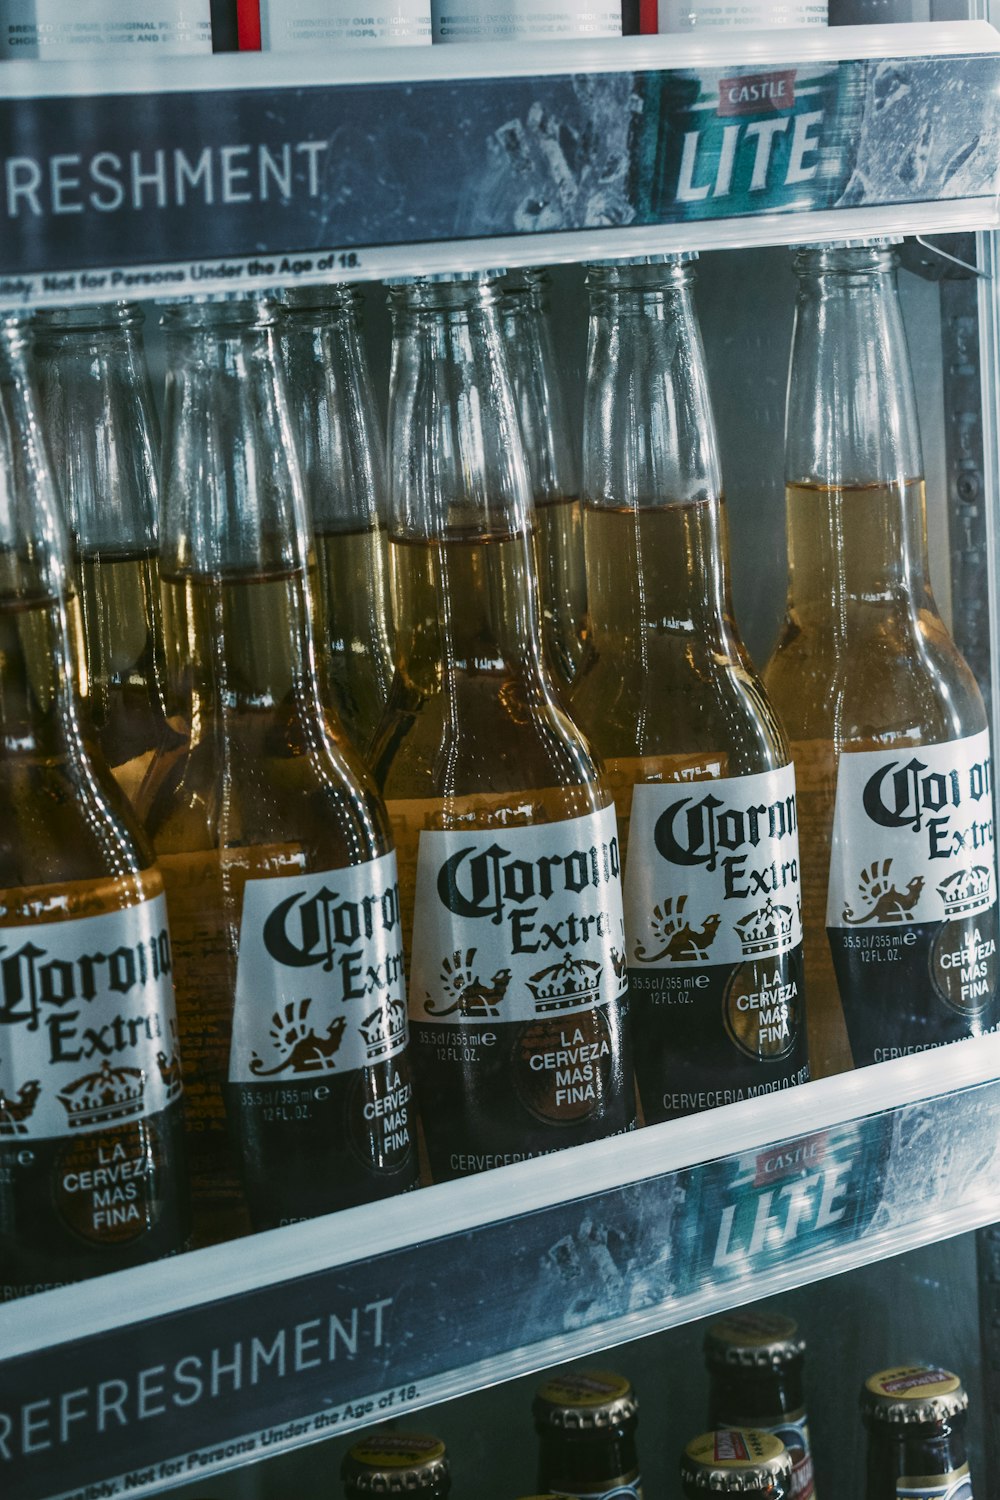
[[628, 1487], [319, 979], [956, 1485], [911, 906], [90, 1097], [293, 25], [681, 15], [523, 20], [87, 1023], [714, 924], [518, 990], [53, 29]]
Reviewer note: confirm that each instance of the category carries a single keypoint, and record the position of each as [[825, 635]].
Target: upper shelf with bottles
[[216, 173]]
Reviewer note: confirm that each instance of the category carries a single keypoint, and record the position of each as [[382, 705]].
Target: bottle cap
[[396, 1463], [752, 1341], [735, 1459], [437, 277], [912, 1393], [584, 1401], [870, 242]]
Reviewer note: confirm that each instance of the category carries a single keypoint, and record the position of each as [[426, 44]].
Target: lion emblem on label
[[306, 1051], [682, 943], [885, 901], [468, 994], [15, 1110]]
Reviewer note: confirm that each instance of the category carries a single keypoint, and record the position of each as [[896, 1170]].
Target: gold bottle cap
[[912, 1393], [395, 1463], [735, 1459], [753, 1341], [584, 1401]]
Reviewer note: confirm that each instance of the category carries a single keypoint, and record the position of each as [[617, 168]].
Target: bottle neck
[[549, 441], [38, 709], [234, 547], [651, 473], [465, 594], [851, 417], [928, 1450], [341, 445]]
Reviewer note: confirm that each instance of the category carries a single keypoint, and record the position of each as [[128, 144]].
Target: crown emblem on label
[[764, 930], [384, 1031], [104, 1097], [965, 890], [568, 984]]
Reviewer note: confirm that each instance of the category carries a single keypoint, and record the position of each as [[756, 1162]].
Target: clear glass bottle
[[550, 447], [886, 721], [92, 1174], [103, 435], [509, 866], [342, 456], [275, 848], [697, 759], [916, 1417]]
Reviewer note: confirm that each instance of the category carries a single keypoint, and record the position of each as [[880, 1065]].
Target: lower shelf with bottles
[[220, 1357]]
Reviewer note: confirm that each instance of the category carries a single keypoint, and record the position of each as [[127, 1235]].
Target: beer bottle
[[342, 456], [509, 867], [697, 758], [553, 467], [887, 725], [755, 1363], [275, 849], [738, 1460], [92, 1173], [102, 431], [397, 1463], [916, 1416], [586, 1421]]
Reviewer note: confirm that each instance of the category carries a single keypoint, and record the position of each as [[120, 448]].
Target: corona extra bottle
[[275, 849], [698, 761], [92, 1173], [736, 1460], [916, 1417], [509, 866], [397, 1463], [586, 1421], [342, 455], [755, 1363], [553, 465], [887, 724], [101, 428]]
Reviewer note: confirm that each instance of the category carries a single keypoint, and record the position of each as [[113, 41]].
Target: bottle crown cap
[[912, 1394], [735, 1459], [870, 242], [584, 1401], [395, 1463], [666, 258], [436, 278], [753, 1341]]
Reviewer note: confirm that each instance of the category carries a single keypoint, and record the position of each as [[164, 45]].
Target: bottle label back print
[[911, 910]]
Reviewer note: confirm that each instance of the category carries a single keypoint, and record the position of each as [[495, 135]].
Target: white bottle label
[[59, 30], [713, 871], [88, 1029], [739, 15], [912, 835], [319, 978], [297, 25], [524, 20], [954, 1486], [911, 906], [518, 924]]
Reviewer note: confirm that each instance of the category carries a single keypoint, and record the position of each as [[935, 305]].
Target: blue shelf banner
[[187, 190]]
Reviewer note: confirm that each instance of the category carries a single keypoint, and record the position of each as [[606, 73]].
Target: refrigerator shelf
[[227, 1355], [242, 172]]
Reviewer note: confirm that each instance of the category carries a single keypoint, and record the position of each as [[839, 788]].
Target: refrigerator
[[862, 1204]]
